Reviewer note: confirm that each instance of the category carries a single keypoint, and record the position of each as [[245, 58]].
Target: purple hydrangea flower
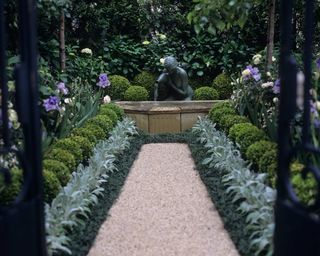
[[103, 81], [62, 88], [51, 103], [276, 87], [318, 63]]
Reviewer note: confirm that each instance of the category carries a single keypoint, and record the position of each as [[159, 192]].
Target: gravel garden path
[[163, 209]]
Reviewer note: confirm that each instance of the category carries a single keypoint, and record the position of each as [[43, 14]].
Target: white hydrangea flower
[[87, 51], [106, 99], [267, 84], [162, 60]]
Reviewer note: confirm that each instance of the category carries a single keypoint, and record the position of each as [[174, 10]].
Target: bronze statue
[[172, 84]]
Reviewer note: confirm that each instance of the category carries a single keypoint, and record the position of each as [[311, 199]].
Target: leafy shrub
[[118, 110], [222, 84], [223, 104], [97, 131], [10, 191], [109, 113], [70, 146], [59, 169], [85, 145], [268, 164], [206, 93], [119, 85], [237, 128], [51, 185], [216, 114], [305, 189], [136, 93], [102, 121], [227, 121], [258, 149], [62, 156], [249, 135], [83, 132], [146, 80]]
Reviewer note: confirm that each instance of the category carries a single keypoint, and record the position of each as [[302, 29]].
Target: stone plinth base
[[166, 116]]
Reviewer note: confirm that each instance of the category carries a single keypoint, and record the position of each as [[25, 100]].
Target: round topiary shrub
[[248, 136], [109, 113], [206, 93], [223, 104], [268, 164], [51, 185], [62, 156], [258, 149], [83, 132], [118, 86], [237, 128], [101, 121], [85, 145], [9, 192], [70, 146], [222, 83], [118, 110], [136, 93], [227, 121], [146, 80], [59, 169], [97, 131], [216, 114]]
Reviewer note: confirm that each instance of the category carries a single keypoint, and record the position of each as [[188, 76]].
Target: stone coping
[[162, 107]]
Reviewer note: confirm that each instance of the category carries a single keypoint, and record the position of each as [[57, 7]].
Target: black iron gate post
[[22, 229], [297, 231]]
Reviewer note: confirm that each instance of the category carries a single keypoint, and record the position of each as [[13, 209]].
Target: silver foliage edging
[[257, 198], [84, 188]]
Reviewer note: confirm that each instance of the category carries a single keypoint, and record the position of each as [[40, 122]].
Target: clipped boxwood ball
[[59, 169], [215, 114], [109, 113], [83, 132], [70, 146], [146, 80], [11, 191], [248, 136], [223, 104], [51, 185], [227, 121], [222, 84], [102, 121], [118, 110], [119, 85], [97, 131], [136, 93], [236, 129], [62, 156], [206, 93], [258, 149], [85, 145], [268, 164]]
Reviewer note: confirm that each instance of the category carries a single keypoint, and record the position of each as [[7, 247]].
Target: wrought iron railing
[[297, 224], [22, 222]]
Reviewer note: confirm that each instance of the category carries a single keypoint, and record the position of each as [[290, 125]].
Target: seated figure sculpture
[[172, 84]]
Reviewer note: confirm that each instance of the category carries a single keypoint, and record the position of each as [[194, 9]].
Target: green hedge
[[136, 93], [206, 93], [118, 86], [222, 83], [118, 110]]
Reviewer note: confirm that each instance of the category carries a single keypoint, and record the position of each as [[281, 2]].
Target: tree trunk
[[62, 43], [270, 40]]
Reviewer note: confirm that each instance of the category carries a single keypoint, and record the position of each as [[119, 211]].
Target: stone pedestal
[[166, 116]]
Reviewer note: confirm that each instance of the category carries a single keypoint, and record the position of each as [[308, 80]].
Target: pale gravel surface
[[163, 209]]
